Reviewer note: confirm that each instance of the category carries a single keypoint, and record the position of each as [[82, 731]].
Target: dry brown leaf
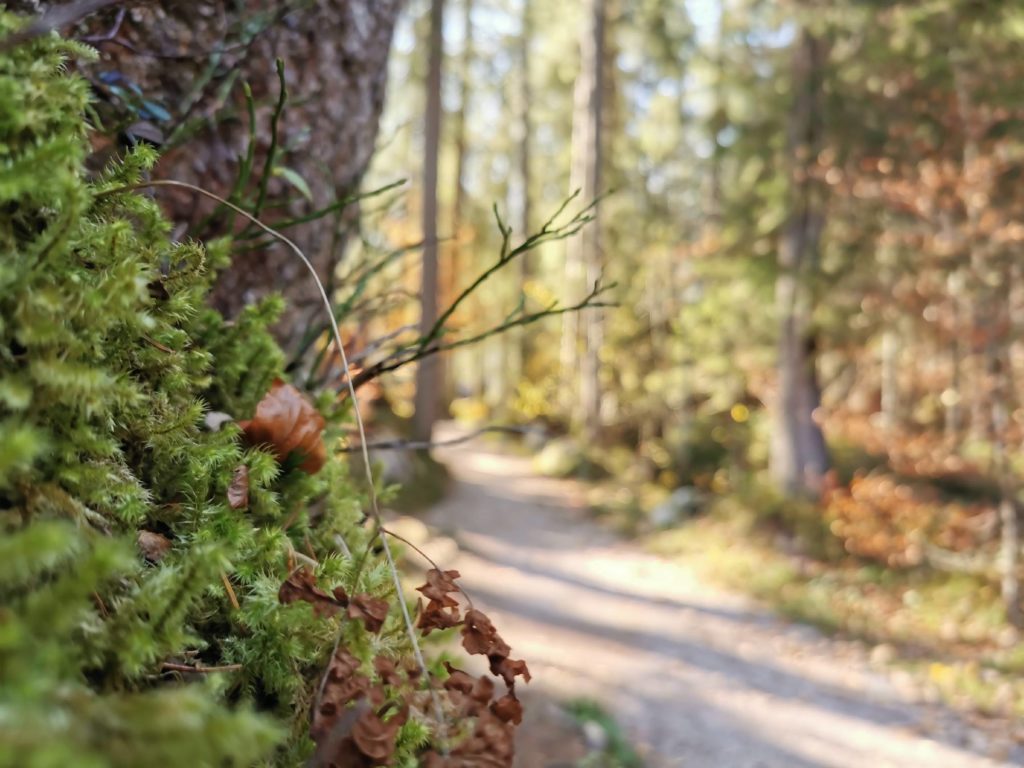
[[442, 610], [435, 617], [301, 586], [238, 491], [371, 610], [388, 670], [287, 422], [375, 737], [153, 545], [508, 709], [439, 586], [344, 684], [507, 669], [480, 637], [458, 680]]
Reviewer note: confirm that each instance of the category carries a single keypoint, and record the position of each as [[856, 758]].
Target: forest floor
[[695, 675]]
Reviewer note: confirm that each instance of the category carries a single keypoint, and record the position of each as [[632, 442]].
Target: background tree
[[428, 372]]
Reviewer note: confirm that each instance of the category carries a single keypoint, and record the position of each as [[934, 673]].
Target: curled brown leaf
[[342, 685], [371, 610], [458, 680], [301, 586], [508, 709], [287, 422], [439, 587], [508, 669], [387, 670], [375, 737], [479, 635]]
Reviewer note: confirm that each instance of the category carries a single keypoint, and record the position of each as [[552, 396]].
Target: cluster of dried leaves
[[358, 713], [491, 742]]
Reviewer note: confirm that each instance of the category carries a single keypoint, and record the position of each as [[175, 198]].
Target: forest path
[[696, 676]]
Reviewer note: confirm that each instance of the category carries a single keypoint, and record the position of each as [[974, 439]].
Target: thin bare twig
[[416, 351], [426, 445]]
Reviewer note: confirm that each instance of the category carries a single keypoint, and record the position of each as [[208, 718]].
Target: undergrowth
[[187, 573], [947, 629]]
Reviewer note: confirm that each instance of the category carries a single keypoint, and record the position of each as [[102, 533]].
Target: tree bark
[[518, 338], [456, 262], [192, 58], [583, 252], [428, 373], [799, 458]]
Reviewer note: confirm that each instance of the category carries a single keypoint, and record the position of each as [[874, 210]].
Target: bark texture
[[583, 252], [192, 59]]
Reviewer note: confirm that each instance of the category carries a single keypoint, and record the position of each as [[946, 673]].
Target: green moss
[[109, 361]]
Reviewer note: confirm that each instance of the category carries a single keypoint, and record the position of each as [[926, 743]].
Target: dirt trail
[[697, 676]]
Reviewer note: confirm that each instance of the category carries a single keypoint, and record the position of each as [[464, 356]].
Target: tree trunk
[[583, 252], [428, 379], [890, 359], [192, 58], [467, 359], [799, 458], [522, 201]]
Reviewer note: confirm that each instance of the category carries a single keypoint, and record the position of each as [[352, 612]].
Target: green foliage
[[109, 362]]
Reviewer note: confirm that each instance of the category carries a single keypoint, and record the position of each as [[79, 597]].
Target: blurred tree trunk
[[522, 201], [583, 252], [428, 372], [799, 458], [456, 262], [192, 58], [890, 385]]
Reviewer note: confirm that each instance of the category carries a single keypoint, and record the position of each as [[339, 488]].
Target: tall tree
[[583, 252], [428, 372], [459, 193], [518, 347], [799, 457]]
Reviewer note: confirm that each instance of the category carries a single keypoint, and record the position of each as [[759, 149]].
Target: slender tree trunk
[[890, 355], [519, 351], [457, 261], [1009, 539], [428, 379], [583, 252], [799, 458], [953, 419]]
